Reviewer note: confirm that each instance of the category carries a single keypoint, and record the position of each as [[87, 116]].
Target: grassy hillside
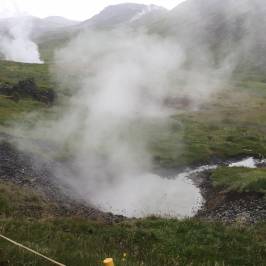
[[12, 72], [232, 124]]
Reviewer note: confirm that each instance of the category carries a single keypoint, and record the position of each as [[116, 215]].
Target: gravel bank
[[230, 206], [22, 169]]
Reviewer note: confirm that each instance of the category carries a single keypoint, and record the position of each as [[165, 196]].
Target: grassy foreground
[[27, 218], [144, 242]]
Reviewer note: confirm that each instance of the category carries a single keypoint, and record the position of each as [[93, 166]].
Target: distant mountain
[[56, 21], [116, 15], [208, 30], [111, 17], [37, 26]]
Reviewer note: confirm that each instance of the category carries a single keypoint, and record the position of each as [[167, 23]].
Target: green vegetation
[[12, 73], [11, 110], [232, 124], [21, 202], [28, 219], [240, 179], [139, 242]]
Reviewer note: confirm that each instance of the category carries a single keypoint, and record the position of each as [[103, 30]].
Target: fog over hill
[[221, 27], [38, 26]]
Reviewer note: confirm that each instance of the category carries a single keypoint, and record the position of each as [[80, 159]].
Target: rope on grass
[[31, 250]]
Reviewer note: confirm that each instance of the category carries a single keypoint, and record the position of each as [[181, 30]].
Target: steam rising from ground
[[15, 42], [119, 82]]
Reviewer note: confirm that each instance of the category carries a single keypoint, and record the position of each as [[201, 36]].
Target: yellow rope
[[30, 250]]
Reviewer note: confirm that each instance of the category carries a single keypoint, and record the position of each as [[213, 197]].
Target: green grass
[[12, 72], [233, 124], [240, 179], [28, 219], [11, 110], [145, 242], [21, 202]]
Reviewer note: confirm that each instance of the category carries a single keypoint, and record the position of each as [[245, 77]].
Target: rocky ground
[[27, 88], [21, 169], [230, 206]]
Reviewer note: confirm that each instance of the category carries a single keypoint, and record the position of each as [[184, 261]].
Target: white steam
[[15, 41], [119, 82]]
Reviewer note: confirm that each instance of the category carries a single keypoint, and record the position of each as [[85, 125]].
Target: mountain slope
[[121, 14], [111, 17], [209, 30], [116, 15], [222, 28]]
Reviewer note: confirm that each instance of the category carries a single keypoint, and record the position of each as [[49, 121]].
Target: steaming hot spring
[[150, 194], [169, 195]]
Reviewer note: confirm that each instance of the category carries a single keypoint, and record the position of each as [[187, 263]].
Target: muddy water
[[167, 196], [153, 195]]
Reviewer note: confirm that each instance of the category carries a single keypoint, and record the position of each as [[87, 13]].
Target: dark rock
[[27, 89]]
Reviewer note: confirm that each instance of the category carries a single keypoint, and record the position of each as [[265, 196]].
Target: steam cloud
[[15, 42], [119, 82]]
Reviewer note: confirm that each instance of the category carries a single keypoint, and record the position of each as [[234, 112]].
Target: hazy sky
[[73, 9]]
